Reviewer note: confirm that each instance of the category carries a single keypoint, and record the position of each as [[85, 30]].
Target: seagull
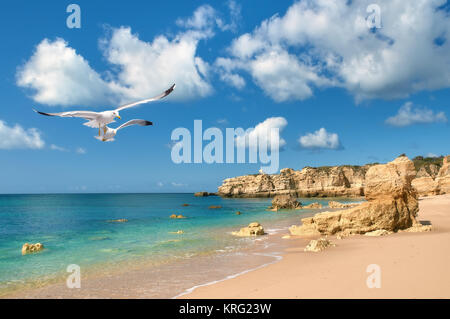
[[110, 133], [101, 119]]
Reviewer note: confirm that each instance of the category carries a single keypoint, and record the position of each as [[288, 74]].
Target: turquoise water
[[74, 229]]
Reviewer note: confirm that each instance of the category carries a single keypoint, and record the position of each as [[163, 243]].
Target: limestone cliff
[[309, 182], [432, 177], [391, 205]]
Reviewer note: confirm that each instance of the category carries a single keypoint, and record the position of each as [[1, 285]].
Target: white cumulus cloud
[[327, 44], [320, 139], [59, 76], [16, 137], [56, 74], [261, 133], [148, 68], [409, 115]]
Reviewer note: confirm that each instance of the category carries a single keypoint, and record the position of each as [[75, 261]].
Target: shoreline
[[230, 263], [413, 265], [188, 291]]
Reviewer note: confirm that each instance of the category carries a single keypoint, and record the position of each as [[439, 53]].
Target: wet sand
[[413, 265]]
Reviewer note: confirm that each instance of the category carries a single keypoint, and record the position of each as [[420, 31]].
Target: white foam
[[272, 231]]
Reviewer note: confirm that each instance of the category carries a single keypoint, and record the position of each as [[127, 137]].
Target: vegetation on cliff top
[[420, 161]]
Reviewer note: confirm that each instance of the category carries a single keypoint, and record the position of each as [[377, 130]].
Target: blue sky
[[376, 93]]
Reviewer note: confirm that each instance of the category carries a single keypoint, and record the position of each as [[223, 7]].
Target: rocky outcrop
[[204, 194], [443, 178], [31, 248], [179, 232], [313, 206], [175, 216], [378, 233], [432, 177], [201, 194], [122, 220], [287, 201], [334, 204], [425, 182], [391, 204], [253, 229], [309, 182], [318, 245]]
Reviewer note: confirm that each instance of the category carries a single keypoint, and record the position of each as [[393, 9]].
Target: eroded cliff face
[[433, 179], [309, 182], [391, 205], [347, 181]]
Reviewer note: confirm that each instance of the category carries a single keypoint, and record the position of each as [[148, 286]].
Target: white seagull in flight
[[110, 133], [101, 119]]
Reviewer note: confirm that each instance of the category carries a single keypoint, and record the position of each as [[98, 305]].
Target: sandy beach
[[413, 265]]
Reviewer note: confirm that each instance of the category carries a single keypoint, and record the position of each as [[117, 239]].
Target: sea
[[168, 257]]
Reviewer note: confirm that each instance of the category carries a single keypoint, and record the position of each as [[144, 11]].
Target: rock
[[313, 206], [253, 229], [185, 205], [334, 204], [215, 207], [175, 216], [201, 194], [303, 231], [31, 248], [418, 228], [443, 178], [379, 232], [319, 245], [391, 205], [309, 182], [204, 194], [238, 213], [287, 201], [331, 181], [123, 220], [426, 186], [433, 175]]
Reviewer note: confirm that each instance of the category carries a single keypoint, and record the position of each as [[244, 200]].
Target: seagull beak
[[118, 116]]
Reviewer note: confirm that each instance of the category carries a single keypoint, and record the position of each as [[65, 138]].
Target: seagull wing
[[155, 98], [88, 115], [135, 122]]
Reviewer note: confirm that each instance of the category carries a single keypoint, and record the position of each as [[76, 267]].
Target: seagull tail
[[93, 124], [102, 139]]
